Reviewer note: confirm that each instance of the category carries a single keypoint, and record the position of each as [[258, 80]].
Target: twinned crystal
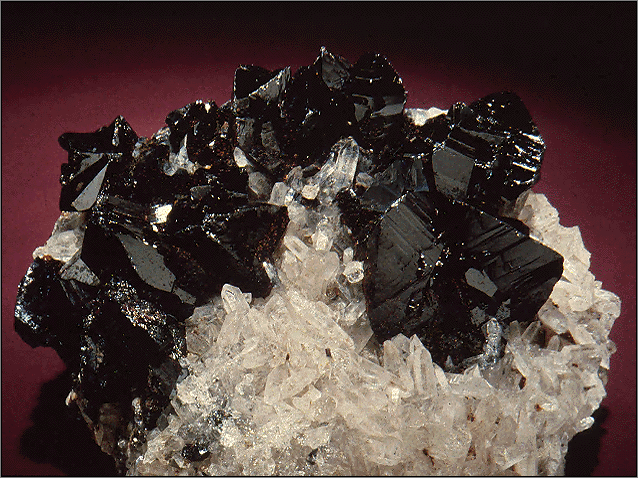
[[442, 269], [311, 279]]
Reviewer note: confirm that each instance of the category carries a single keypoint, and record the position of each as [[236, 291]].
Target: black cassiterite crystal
[[164, 222], [440, 261], [49, 311], [257, 95], [313, 123], [492, 153], [379, 97], [286, 120], [440, 269], [90, 154]]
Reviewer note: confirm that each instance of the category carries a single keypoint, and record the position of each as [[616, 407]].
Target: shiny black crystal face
[[285, 120], [441, 268], [170, 214], [491, 154], [165, 221]]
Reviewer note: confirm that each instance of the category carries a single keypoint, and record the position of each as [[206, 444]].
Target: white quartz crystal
[[337, 172], [66, 238], [420, 115], [179, 160], [64, 246]]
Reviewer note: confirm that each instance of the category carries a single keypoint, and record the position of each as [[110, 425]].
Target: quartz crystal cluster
[[312, 279]]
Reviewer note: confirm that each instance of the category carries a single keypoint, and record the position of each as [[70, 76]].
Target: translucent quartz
[[305, 395]]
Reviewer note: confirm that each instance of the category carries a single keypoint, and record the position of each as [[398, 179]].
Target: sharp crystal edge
[[420, 205]]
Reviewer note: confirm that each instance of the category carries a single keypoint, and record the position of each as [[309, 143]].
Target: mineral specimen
[[439, 265], [310, 279], [492, 153]]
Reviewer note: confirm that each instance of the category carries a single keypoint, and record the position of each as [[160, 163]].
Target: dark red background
[[75, 67]]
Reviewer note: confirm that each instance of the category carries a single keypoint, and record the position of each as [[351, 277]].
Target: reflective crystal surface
[[442, 269], [492, 152]]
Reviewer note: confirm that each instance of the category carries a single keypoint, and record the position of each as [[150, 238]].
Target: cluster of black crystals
[[166, 221], [443, 254]]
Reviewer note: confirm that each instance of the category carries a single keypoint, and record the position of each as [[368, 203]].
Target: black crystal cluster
[[164, 222], [285, 121], [441, 257]]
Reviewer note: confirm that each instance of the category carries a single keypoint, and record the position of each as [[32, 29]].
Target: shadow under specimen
[[59, 435], [582, 454]]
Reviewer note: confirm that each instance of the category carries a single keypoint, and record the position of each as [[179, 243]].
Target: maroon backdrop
[[77, 66]]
